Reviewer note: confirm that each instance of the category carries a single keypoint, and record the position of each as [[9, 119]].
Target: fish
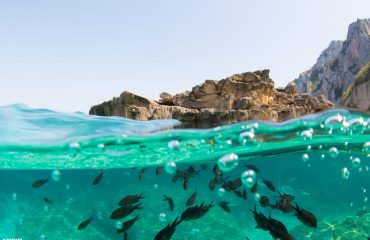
[[159, 170], [141, 174], [224, 206], [306, 217], [128, 224], [125, 236], [185, 184], [131, 199], [124, 211], [203, 166], [245, 195], [85, 223], [238, 193], [217, 170], [39, 183], [48, 200], [191, 199], [196, 212], [212, 142], [252, 167], [269, 184], [98, 178], [167, 232], [170, 202], [212, 184], [254, 188], [264, 201]]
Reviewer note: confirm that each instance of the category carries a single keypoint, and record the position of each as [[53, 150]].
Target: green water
[[323, 160]]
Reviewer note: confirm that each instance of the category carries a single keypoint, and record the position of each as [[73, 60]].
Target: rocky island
[[240, 97]]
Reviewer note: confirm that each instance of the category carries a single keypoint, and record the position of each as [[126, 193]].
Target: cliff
[[338, 65]]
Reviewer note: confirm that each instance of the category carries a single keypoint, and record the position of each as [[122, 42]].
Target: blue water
[[322, 160]]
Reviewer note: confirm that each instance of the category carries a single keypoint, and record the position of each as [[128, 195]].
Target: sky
[[68, 55]]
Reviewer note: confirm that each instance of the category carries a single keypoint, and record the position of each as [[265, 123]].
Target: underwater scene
[[75, 176]]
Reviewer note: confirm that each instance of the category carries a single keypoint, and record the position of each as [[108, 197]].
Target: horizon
[[69, 57]]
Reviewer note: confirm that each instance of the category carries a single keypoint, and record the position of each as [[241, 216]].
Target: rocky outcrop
[[241, 97], [358, 93], [338, 65]]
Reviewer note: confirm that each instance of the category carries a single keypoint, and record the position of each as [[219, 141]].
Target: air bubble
[[118, 225], [14, 197], [333, 152], [345, 173], [305, 157], [174, 144], [101, 147], [56, 175], [228, 162], [248, 178], [155, 186], [170, 167], [322, 157], [356, 162], [162, 217], [307, 134], [257, 197], [309, 148], [221, 192], [366, 148]]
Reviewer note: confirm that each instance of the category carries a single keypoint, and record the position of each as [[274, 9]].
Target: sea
[[67, 175]]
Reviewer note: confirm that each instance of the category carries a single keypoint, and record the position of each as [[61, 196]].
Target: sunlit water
[[322, 160]]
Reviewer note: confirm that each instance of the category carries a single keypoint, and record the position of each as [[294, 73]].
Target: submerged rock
[[240, 97]]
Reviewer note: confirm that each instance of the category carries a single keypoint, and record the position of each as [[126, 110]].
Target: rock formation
[[241, 97], [338, 65], [358, 93]]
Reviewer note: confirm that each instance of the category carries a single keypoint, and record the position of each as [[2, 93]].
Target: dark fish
[[224, 206], [141, 174], [190, 145], [170, 202], [124, 211], [269, 184], [284, 203], [186, 183], [196, 212], [254, 188], [236, 183], [238, 193], [203, 166], [245, 195], [159, 170], [130, 199], [167, 232], [305, 216], [125, 236], [191, 199], [98, 178], [39, 183], [85, 223], [217, 170], [212, 184], [128, 224], [48, 200], [191, 169], [252, 167], [264, 201]]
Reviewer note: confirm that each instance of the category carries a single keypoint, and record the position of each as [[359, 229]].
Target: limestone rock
[[240, 97], [338, 65]]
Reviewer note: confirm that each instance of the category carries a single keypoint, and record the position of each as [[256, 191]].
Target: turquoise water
[[322, 160]]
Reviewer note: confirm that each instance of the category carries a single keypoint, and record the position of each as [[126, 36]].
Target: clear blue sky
[[71, 54]]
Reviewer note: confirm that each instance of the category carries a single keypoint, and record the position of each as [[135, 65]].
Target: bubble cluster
[[228, 162], [345, 173], [56, 175], [307, 134], [248, 178], [366, 148], [247, 137], [333, 152], [170, 167], [174, 144]]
